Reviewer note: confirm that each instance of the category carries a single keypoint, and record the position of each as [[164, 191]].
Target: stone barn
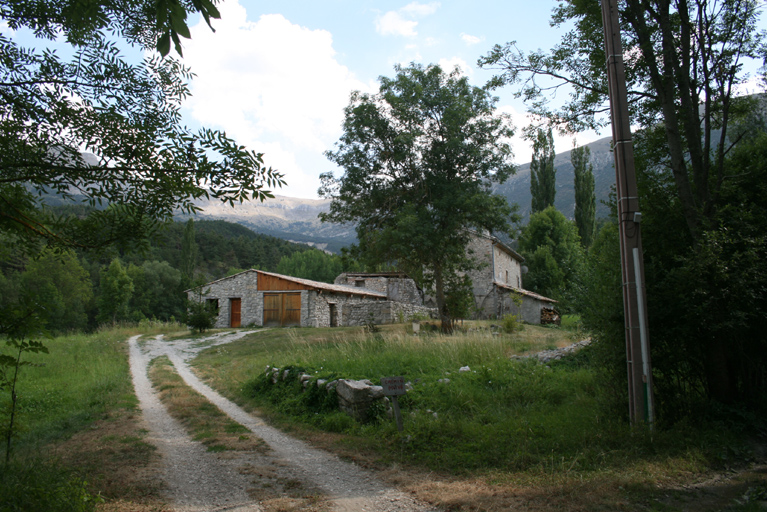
[[256, 297]]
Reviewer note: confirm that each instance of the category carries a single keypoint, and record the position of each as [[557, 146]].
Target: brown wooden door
[[235, 308], [292, 312], [282, 309], [272, 309]]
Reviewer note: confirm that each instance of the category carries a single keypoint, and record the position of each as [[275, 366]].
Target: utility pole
[[629, 218]]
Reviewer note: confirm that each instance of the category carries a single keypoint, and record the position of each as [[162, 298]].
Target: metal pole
[[629, 217]]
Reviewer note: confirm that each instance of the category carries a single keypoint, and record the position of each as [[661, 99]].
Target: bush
[[200, 316], [511, 323]]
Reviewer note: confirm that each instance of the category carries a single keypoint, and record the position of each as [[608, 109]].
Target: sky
[[276, 76]]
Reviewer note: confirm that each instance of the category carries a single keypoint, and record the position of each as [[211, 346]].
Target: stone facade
[[529, 310], [396, 286], [243, 286], [500, 273]]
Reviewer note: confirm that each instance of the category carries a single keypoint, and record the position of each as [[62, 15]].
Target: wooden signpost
[[393, 387]]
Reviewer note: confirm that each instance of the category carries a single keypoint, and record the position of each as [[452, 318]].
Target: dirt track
[[201, 481]]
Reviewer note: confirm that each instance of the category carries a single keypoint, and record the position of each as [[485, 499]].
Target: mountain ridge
[[295, 219]]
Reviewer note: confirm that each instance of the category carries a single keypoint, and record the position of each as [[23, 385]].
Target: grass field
[[503, 424], [507, 434], [76, 439]]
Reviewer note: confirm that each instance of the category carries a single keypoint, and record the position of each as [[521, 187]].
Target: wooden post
[[397, 413], [393, 387], [629, 217]]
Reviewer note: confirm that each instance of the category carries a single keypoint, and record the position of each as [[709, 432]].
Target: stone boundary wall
[[381, 312]]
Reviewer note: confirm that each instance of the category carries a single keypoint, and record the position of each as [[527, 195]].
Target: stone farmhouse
[[256, 297], [499, 278]]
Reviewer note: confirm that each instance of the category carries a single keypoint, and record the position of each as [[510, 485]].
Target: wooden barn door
[[272, 309], [292, 309], [235, 308], [282, 309]]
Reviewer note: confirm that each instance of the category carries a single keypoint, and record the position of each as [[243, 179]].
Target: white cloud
[[523, 148], [420, 10], [274, 86], [401, 22], [470, 40], [449, 65], [392, 23]]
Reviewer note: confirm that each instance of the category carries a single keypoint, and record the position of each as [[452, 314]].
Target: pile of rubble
[[354, 396]]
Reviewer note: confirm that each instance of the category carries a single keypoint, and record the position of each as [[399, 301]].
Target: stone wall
[[529, 311], [381, 312], [320, 307], [241, 286], [507, 269], [404, 290], [401, 289], [480, 249]]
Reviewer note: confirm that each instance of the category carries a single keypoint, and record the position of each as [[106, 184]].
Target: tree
[[585, 200], [189, 252], [419, 158], [312, 264], [553, 255], [115, 293], [684, 62], [62, 288], [142, 164], [543, 176], [161, 292]]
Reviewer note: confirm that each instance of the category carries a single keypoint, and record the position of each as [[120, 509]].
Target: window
[[359, 283], [212, 304]]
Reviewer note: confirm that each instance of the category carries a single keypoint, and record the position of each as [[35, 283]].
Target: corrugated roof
[[524, 292], [338, 288]]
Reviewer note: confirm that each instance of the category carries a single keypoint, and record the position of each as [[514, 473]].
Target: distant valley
[[288, 218]]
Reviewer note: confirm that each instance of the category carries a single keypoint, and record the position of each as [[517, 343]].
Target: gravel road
[[201, 481]]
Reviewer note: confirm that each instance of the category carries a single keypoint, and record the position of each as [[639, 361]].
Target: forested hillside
[[80, 290], [222, 246]]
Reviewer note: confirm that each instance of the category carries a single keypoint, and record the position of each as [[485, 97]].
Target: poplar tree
[[542, 172], [189, 252], [585, 200], [116, 289]]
